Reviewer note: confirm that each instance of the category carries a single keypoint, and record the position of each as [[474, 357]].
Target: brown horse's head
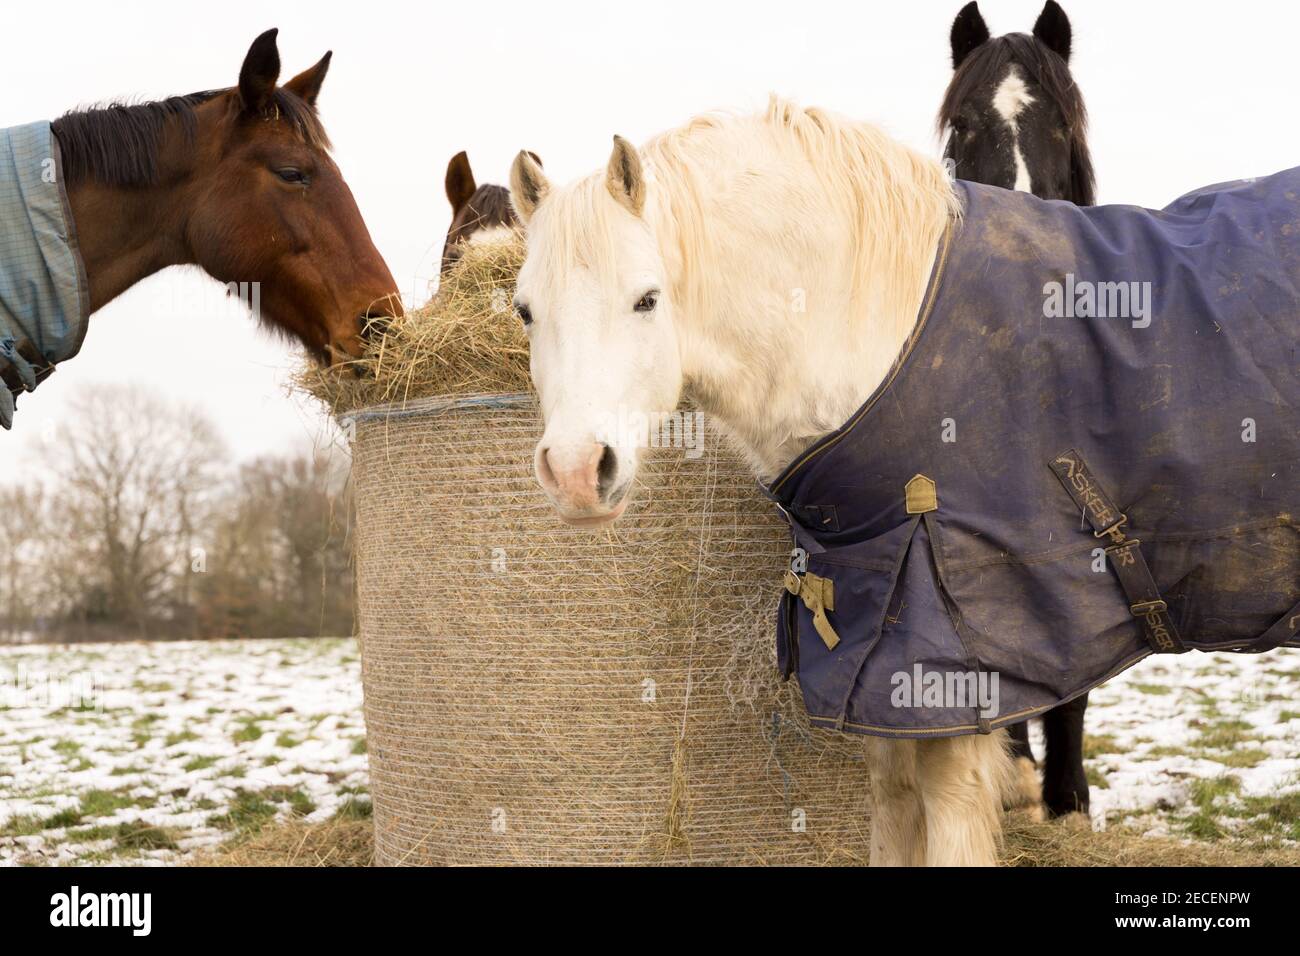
[[239, 182], [477, 212], [272, 207]]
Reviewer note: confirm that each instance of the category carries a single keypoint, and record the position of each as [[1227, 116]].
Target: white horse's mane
[[889, 192]]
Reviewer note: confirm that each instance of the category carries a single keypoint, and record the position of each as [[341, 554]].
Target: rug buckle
[[1143, 608]]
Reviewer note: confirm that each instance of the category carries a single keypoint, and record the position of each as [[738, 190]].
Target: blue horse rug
[[1088, 452], [44, 297]]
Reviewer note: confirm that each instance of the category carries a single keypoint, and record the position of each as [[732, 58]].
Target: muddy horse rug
[[43, 294], [1088, 452]]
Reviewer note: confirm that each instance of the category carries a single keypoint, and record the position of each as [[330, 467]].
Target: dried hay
[[465, 341], [537, 693]]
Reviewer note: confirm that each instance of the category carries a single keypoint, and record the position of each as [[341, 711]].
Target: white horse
[[772, 267]]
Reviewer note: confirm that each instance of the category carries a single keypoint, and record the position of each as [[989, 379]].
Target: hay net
[[537, 693]]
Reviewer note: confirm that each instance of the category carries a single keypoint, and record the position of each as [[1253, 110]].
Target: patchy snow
[[141, 752], [1198, 746]]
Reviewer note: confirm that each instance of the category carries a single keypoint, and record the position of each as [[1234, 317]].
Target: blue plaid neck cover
[[1052, 483], [44, 297]]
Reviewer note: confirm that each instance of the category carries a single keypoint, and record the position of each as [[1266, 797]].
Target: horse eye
[[292, 175], [525, 314], [647, 302]]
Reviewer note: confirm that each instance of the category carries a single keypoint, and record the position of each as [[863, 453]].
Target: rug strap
[[1124, 554], [1286, 628]]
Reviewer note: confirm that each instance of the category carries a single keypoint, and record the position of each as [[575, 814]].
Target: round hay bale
[[542, 694]]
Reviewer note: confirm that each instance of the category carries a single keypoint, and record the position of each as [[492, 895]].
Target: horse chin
[[598, 520]]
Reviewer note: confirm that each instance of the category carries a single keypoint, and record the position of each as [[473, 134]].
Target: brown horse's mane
[[116, 144], [986, 64]]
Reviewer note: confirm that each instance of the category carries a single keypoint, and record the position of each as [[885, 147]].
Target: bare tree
[[22, 523], [134, 474]]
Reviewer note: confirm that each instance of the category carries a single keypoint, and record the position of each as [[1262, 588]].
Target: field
[[254, 752], [186, 745]]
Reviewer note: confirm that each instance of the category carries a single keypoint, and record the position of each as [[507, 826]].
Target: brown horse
[[476, 211], [239, 182]]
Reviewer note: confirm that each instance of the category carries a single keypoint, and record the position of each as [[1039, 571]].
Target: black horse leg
[[1065, 786]]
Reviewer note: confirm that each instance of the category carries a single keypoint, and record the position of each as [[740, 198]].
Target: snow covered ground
[[140, 753], [1200, 746]]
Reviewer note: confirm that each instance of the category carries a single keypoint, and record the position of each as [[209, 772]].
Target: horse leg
[[1065, 785], [962, 780], [1023, 792], [897, 817]]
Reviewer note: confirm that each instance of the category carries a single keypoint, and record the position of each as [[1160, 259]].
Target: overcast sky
[[1181, 94]]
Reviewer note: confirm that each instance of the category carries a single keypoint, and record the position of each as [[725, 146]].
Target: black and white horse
[[1015, 118]]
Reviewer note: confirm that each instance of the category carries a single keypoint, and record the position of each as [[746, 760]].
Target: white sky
[[1181, 94]]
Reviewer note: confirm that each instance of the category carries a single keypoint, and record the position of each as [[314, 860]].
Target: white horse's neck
[[802, 302]]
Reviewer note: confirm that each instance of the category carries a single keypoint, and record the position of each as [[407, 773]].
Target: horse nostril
[[605, 471]]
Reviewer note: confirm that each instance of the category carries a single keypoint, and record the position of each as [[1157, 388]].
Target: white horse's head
[[593, 296]]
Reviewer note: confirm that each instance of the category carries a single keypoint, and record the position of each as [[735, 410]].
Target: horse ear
[[260, 71], [460, 181], [1052, 29], [528, 186], [306, 85], [624, 178], [969, 31]]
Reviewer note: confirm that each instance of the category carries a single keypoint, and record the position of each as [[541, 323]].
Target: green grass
[[253, 809], [199, 763], [101, 803], [1226, 734], [1204, 823], [247, 814], [25, 825], [1094, 745], [1241, 757], [354, 809], [248, 732], [299, 803], [1156, 690], [68, 748], [64, 818], [359, 746], [287, 741], [184, 736], [133, 837]]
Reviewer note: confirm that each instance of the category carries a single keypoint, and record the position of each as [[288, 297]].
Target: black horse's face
[[1008, 132]]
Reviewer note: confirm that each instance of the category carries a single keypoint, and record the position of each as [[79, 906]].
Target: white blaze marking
[[1010, 99]]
